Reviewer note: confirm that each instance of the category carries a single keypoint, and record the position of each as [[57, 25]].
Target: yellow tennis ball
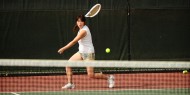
[[108, 50], [185, 72]]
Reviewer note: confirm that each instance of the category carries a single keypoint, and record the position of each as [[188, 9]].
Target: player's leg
[[69, 73], [90, 70], [91, 74], [110, 78]]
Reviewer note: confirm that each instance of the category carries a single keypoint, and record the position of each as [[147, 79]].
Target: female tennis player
[[86, 52]]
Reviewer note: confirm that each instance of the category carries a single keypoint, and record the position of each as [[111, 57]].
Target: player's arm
[[73, 42]]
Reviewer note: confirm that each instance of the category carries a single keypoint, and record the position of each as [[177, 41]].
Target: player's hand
[[60, 51]]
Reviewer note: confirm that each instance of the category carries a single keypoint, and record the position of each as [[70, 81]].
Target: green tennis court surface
[[185, 91]]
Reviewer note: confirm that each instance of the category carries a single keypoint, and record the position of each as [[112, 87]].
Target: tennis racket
[[94, 11]]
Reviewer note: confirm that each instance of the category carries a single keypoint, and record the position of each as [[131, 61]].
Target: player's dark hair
[[82, 18]]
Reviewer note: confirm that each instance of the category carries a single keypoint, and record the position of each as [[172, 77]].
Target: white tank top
[[85, 44]]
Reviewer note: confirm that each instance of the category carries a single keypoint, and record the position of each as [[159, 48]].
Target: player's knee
[[91, 75], [69, 73]]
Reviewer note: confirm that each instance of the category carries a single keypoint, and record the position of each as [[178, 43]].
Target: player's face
[[80, 23]]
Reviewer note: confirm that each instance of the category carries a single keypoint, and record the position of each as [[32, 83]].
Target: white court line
[[14, 93]]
